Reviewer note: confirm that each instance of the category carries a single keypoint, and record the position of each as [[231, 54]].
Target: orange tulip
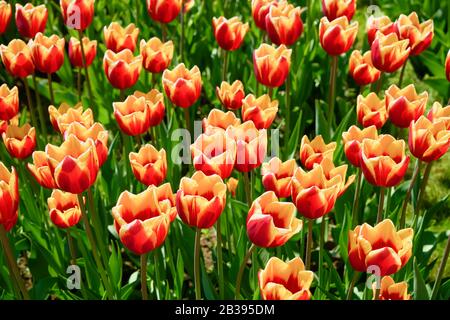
[[31, 20], [201, 199], [285, 280], [156, 55], [262, 111], [5, 15], [361, 68], [232, 185], [20, 141], [17, 58], [438, 113], [63, 116], [217, 119], [277, 176], [383, 161], [337, 36], [122, 69], [231, 95], [142, 221], [75, 54], [284, 23], [64, 209], [271, 64], [330, 171], [214, 154], [132, 115], [314, 151], [118, 38], [388, 52], [447, 66], [77, 14], [419, 34], [40, 169], [352, 140], [182, 86], [9, 197], [405, 105], [260, 9], [333, 9], [391, 290], [381, 247], [155, 104], [229, 33], [5, 123], [47, 52], [9, 102], [149, 165], [378, 24], [188, 5], [371, 110], [271, 223], [164, 194], [164, 11]]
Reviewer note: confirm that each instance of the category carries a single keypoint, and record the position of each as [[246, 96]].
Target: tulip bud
[[118, 38], [391, 290], [371, 110], [64, 209], [5, 15], [77, 14], [419, 34], [231, 96], [333, 9], [262, 111], [122, 69], [352, 140], [65, 115], [438, 113], [277, 176], [9, 102], [314, 151], [388, 52], [20, 142], [9, 197], [337, 36], [218, 119], [17, 58], [229, 33], [75, 54], [260, 9], [271, 64], [40, 170], [361, 68], [378, 24], [232, 185], [47, 52], [164, 11], [31, 20], [284, 23], [149, 165], [156, 55], [182, 86]]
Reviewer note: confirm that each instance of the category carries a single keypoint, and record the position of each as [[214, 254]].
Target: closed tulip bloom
[[156, 55], [277, 176], [391, 291], [65, 115], [284, 23], [262, 110], [337, 36], [9, 102], [9, 197], [155, 104], [149, 165], [122, 69], [439, 113], [388, 52], [40, 170], [16, 58], [271, 64], [5, 15], [231, 95], [447, 66], [141, 221], [64, 209], [77, 14], [352, 140], [214, 154], [260, 9], [285, 280], [229, 33], [381, 24], [271, 223], [381, 247], [20, 142], [314, 151], [371, 110], [333, 9], [182, 86], [31, 20], [405, 105], [218, 119], [383, 161], [118, 38], [164, 11], [361, 68], [201, 199], [47, 52], [232, 185], [75, 54], [132, 115], [419, 34], [330, 171]]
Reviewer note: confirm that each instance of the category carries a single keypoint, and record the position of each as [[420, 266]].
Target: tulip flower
[[330, 171], [155, 104], [77, 14], [149, 165], [47, 52], [16, 58], [182, 86], [447, 66], [64, 209], [3, 126], [383, 161], [164, 194], [118, 38], [214, 154], [314, 151], [271, 64], [9, 102], [277, 176], [405, 105], [132, 115], [40, 169], [352, 140], [361, 68], [5, 15], [231, 95], [20, 142], [156, 55], [378, 24], [382, 248], [284, 23], [388, 52], [65, 115], [75, 54], [229, 33], [285, 280], [438, 113], [371, 110], [271, 223], [419, 34], [262, 111], [218, 119], [9, 197], [122, 69], [333, 9], [201, 199], [31, 20], [232, 184], [260, 9], [391, 291], [164, 11], [337, 36]]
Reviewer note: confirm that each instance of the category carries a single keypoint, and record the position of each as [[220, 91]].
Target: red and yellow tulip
[[229, 33], [271, 64], [118, 38], [20, 142], [64, 209], [31, 20], [337, 36], [231, 95], [149, 165], [277, 176], [182, 86], [262, 110], [16, 58], [156, 55], [371, 110]]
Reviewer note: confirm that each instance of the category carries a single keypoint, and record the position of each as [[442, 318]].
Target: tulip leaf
[[420, 288]]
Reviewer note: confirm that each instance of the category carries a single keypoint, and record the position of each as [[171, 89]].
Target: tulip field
[[224, 150]]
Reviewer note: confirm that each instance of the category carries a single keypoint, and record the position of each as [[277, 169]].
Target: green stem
[[98, 227], [288, 112], [220, 259], [187, 117], [225, 65], [331, 95], [36, 93], [157, 275], [352, 285], [73, 254], [380, 206], [309, 244], [144, 290], [270, 93], [441, 270], [198, 294], [241, 271], [423, 186], [355, 209], [50, 88], [79, 83], [377, 293], [402, 73], [164, 32], [379, 83], [182, 31], [83, 57], [321, 248], [30, 107], [247, 189], [408, 193]]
